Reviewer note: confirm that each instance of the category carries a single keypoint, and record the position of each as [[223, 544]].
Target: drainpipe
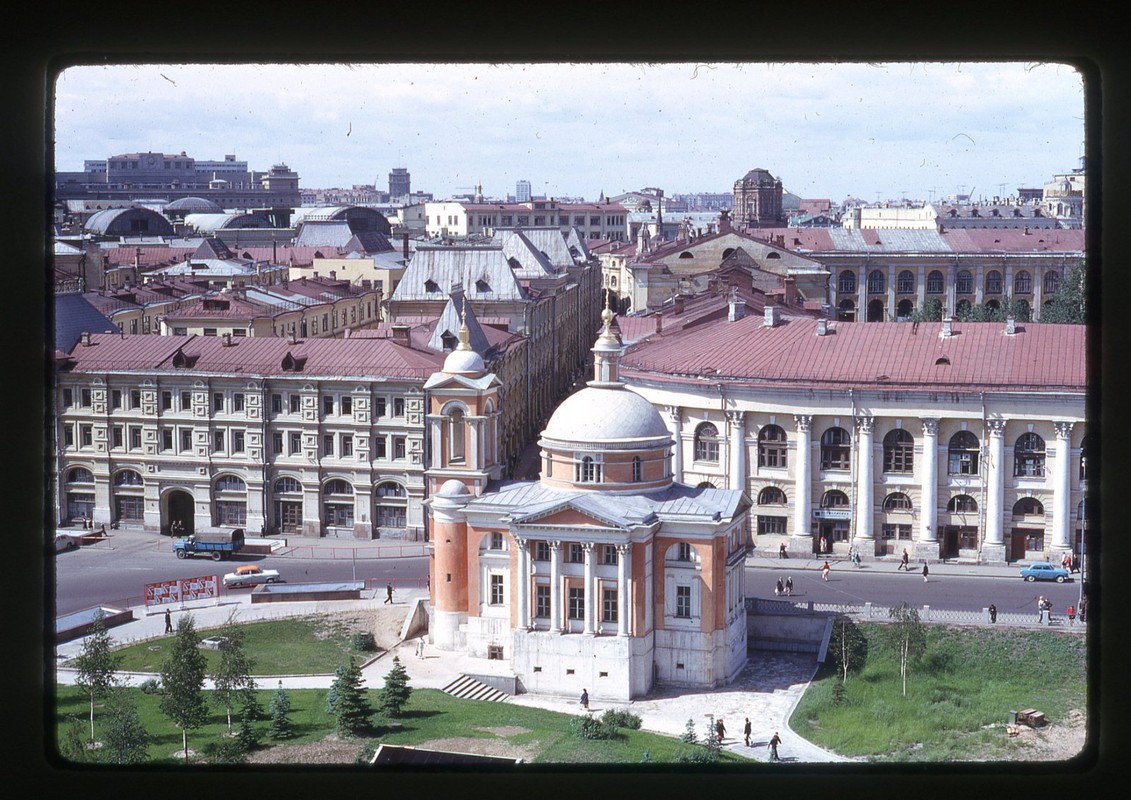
[[852, 474], [264, 410], [982, 453], [426, 463]]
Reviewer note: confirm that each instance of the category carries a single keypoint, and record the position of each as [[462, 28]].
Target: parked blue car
[[1044, 571]]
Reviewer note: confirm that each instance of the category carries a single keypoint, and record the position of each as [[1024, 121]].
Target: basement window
[[604, 674], [679, 665], [569, 672], [495, 652], [537, 669]]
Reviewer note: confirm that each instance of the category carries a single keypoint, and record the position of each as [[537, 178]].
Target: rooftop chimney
[[771, 316], [84, 338], [400, 335], [1010, 325], [946, 329], [677, 304], [659, 321], [822, 327], [226, 340]]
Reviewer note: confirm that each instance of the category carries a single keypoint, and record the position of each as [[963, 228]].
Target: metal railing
[[867, 612]]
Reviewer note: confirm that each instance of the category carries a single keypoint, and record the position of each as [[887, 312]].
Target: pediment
[[569, 515]]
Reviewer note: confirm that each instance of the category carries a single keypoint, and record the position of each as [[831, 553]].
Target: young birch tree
[[96, 665], [182, 681], [909, 637]]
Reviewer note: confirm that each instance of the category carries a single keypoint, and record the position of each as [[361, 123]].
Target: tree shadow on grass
[[420, 713]]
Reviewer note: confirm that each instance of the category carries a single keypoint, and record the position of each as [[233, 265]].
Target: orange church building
[[604, 574]]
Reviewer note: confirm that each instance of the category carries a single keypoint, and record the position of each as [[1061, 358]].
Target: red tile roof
[[256, 356], [899, 355]]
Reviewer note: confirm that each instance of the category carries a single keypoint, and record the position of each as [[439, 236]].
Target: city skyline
[[921, 130]]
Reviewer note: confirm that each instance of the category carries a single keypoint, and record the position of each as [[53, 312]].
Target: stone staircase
[[468, 688]]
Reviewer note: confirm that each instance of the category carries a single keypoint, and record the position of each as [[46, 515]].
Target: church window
[[542, 600], [576, 553], [456, 437], [496, 589], [637, 469], [541, 551], [496, 540], [683, 552], [608, 605], [576, 603], [707, 443], [609, 554], [683, 602], [588, 470]]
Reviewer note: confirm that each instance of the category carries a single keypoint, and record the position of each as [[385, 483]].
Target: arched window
[[391, 505], [846, 311], [707, 443], [904, 308], [287, 485], [127, 477], [876, 282], [337, 503], [686, 254], [899, 450], [846, 284], [964, 282], [1029, 456], [1052, 282], [935, 282], [993, 282], [835, 449], [588, 470], [456, 436], [1028, 507], [637, 469], [80, 475], [876, 311], [834, 498], [905, 282], [962, 454], [230, 483], [897, 501], [771, 446], [962, 504], [337, 487], [771, 496], [1022, 283]]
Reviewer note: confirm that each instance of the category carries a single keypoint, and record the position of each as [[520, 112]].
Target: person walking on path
[[1084, 608], [926, 572], [781, 550], [775, 740], [1071, 614], [825, 571], [168, 621], [904, 563], [1048, 610], [388, 593], [746, 731], [779, 589], [993, 613], [720, 728], [856, 559], [789, 585], [1041, 610], [585, 699]]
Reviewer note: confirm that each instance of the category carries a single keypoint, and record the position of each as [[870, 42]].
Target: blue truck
[[217, 543]]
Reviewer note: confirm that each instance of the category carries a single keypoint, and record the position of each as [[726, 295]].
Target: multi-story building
[[457, 218], [312, 437], [400, 184], [947, 439], [758, 200], [607, 574], [522, 191]]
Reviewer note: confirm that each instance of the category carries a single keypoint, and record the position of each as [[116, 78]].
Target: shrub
[[620, 718], [365, 755], [363, 642], [150, 686], [226, 751], [587, 727]]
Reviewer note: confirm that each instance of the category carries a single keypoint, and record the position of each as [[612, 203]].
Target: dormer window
[[431, 286], [482, 286]]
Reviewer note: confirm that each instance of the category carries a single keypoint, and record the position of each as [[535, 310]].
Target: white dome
[[464, 361], [605, 414], [452, 488]]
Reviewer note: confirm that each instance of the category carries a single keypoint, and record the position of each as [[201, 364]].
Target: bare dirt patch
[[384, 623], [331, 750], [484, 747], [1057, 741], [505, 730]]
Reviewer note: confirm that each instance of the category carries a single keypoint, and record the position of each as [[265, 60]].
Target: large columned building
[[606, 574], [950, 440]]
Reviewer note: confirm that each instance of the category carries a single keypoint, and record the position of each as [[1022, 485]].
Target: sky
[[879, 131]]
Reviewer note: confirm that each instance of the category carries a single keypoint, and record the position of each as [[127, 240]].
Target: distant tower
[[399, 183], [758, 200], [522, 191]]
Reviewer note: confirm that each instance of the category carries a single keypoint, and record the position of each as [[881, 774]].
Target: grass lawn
[[968, 679], [430, 714], [296, 646]]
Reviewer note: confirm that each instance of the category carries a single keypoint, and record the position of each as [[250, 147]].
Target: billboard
[[206, 587]]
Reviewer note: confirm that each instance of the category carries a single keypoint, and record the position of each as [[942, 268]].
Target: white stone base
[[447, 629], [609, 667]]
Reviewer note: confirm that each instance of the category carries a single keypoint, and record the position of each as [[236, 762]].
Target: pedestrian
[[1041, 610], [781, 550], [903, 564], [825, 571], [925, 572], [779, 589], [826, 547], [856, 559], [1048, 610], [1075, 566], [746, 731], [1084, 609], [422, 647], [585, 699], [775, 740], [789, 586], [1066, 562], [102, 530], [1071, 614], [388, 593], [993, 613], [168, 621], [720, 728]]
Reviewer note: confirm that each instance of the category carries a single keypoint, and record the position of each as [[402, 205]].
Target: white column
[[928, 518], [1062, 489], [736, 420], [588, 592], [523, 587], [995, 482], [675, 425], [862, 294], [864, 479], [623, 554], [802, 482], [475, 427], [555, 587]]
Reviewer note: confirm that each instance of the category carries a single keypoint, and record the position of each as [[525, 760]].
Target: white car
[[67, 541], [249, 575]]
